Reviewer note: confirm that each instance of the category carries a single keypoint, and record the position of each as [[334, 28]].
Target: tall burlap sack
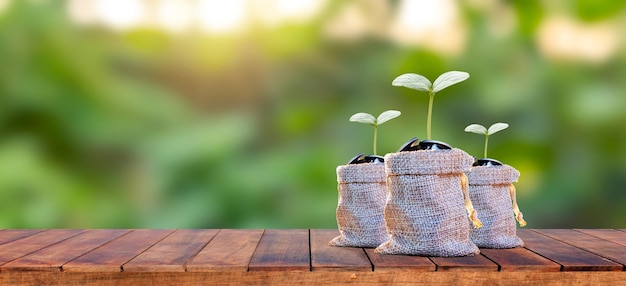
[[427, 206], [493, 195], [362, 192]]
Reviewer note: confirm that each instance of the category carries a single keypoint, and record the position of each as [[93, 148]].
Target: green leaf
[[387, 115], [362, 117], [448, 79], [497, 127], [476, 128], [413, 81]]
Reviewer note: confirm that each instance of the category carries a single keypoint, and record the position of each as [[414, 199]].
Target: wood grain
[[282, 250], [607, 234], [569, 257], [384, 262], [9, 235], [464, 263], [313, 278], [19, 248], [111, 256], [332, 258], [519, 259], [229, 250], [604, 248], [171, 253], [53, 257], [292, 257]]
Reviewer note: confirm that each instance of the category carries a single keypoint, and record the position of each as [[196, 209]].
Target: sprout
[[421, 83], [367, 118], [479, 129]]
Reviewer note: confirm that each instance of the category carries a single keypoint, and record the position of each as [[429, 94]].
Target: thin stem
[[486, 143], [430, 114], [375, 135]]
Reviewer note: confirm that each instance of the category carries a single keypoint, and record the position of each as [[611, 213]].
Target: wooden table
[[274, 256]]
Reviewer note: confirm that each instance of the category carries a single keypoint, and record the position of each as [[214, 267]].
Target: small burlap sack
[[427, 206], [493, 194], [362, 192]]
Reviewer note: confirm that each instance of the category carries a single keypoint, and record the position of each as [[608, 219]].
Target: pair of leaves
[[367, 118], [421, 83], [479, 129]]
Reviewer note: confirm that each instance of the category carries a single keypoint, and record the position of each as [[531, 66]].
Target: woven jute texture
[[362, 192], [489, 188], [425, 212]]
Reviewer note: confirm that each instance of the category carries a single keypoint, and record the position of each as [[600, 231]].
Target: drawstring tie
[[518, 215], [468, 204]]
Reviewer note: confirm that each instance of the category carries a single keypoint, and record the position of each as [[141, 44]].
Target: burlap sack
[[427, 206], [362, 192], [493, 195]]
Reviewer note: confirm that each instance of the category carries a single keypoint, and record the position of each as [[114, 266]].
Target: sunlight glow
[[563, 38], [120, 14], [274, 12], [221, 16], [3, 5], [432, 24], [359, 19], [174, 15], [349, 24], [297, 9], [82, 11], [212, 16]]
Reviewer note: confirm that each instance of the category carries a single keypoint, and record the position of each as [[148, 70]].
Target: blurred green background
[[234, 114]]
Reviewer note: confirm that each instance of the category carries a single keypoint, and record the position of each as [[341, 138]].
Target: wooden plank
[[53, 257], [332, 258], [229, 250], [598, 246], [607, 234], [519, 259], [18, 248], [171, 253], [48, 249], [282, 250], [464, 263], [314, 278], [9, 235], [111, 256], [569, 257], [385, 262]]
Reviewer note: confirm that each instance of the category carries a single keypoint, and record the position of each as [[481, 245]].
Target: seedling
[[367, 118], [479, 129], [421, 83]]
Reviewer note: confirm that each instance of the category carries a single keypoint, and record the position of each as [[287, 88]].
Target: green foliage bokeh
[[142, 128]]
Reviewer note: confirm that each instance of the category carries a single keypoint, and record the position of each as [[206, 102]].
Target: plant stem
[[486, 143], [430, 114], [375, 135]]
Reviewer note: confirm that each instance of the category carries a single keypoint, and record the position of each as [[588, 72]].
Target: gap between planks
[[368, 261], [599, 246]]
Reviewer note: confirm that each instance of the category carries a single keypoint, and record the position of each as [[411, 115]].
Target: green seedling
[[367, 118], [421, 83], [479, 129]]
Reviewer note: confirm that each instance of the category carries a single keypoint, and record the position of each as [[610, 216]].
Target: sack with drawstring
[[427, 206], [362, 192], [492, 192]]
